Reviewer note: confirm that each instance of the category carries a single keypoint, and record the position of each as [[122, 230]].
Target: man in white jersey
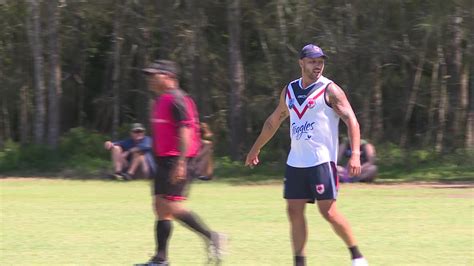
[[314, 104]]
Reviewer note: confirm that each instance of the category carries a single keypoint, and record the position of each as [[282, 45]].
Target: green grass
[[73, 222]]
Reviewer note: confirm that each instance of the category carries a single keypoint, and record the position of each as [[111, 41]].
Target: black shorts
[[313, 183], [162, 184]]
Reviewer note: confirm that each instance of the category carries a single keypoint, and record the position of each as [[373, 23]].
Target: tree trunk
[[55, 89], [282, 24], [413, 95], [193, 50], [463, 104], [144, 59], [460, 77], [2, 133], [267, 54], [4, 120], [469, 139], [81, 114], [434, 101], [24, 110], [237, 81], [5, 129], [443, 103], [116, 70], [34, 37], [365, 116], [377, 123]]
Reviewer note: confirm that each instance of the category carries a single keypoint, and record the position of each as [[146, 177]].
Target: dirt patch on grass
[[440, 185], [466, 189]]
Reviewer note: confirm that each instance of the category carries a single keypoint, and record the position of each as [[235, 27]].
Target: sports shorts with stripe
[[313, 183], [163, 183]]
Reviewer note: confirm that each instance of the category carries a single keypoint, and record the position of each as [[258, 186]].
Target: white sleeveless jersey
[[313, 124]]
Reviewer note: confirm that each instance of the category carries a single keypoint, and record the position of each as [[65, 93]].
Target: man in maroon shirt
[[176, 138]]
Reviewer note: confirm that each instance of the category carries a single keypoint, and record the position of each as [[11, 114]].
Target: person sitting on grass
[[132, 154], [204, 164], [367, 159]]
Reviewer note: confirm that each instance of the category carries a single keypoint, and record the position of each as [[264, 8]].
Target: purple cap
[[312, 51]]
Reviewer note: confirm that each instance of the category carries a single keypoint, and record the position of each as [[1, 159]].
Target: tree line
[[406, 65]]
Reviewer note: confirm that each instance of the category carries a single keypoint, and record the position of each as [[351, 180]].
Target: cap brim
[[150, 70], [316, 56]]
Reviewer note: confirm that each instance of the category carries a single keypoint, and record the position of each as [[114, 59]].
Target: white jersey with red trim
[[313, 124]]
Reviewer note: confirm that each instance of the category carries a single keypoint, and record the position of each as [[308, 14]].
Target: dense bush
[[79, 150], [81, 154]]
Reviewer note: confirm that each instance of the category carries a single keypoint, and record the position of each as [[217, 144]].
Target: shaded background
[[407, 66]]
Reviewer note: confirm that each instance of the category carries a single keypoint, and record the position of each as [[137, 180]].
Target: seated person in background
[[203, 164], [132, 154], [367, 161]]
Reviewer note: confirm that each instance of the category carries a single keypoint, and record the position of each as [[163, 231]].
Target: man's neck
[[305, 82]]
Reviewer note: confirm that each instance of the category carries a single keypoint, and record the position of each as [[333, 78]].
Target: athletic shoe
[[360, 262], [217, 246], [118, 177], [126, 176], [154, 261]]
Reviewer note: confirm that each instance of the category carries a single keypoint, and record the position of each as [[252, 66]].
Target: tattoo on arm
[[340, 104], [269, 125], [283, 115]]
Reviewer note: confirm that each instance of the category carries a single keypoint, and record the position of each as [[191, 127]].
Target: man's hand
[[108, 145], [178, 173], [252, 158], [353, 165]]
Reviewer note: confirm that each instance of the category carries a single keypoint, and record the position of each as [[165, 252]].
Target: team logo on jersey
[[320, 188], [291, 103], [303, 130], [311, 104]]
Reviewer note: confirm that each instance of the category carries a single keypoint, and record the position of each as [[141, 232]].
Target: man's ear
[[300, 62]]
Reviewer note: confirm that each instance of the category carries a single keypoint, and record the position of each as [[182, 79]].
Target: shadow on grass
[[272, 173], [443, 173], [236, 173]]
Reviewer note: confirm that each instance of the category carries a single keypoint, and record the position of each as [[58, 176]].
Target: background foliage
[[405, 65]]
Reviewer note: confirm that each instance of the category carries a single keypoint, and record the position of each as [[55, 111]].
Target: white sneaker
[[217, 246], [360, 262]]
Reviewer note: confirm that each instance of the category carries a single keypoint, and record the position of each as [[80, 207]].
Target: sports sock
[[355, 253], [193, 221], [163, 232], [300, 261]]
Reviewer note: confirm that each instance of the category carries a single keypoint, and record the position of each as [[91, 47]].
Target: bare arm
[[338, 100], [179, 170], [269, 129]]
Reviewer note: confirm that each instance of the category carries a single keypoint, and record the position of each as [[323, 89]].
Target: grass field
[[72, 222]]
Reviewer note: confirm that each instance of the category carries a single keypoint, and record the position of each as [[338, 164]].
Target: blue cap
[[312, 51]]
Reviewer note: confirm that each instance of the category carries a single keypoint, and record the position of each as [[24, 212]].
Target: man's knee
[[116, 149], [329, 215], [138, 156], [369, 173], [328, 211], [162, 208], [295, 212]]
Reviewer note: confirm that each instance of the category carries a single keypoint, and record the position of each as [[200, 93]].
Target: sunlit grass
[[59, 222]]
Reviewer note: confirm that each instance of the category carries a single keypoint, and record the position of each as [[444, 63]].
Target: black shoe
[[154, 261], [117, 176], [126, 176], [204, 178]]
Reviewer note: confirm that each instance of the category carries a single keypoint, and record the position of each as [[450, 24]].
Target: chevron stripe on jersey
[[313, 124]]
